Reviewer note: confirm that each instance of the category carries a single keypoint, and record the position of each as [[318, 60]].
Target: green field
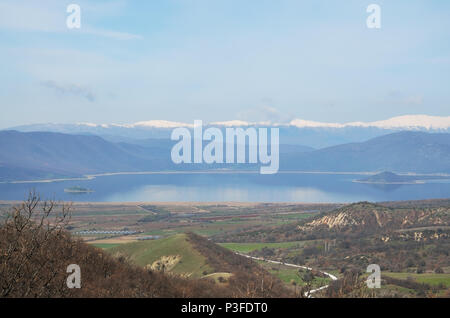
[[249, 247], [295, 216], [105, 246], [427, 278], [288, 275], [192, 263]]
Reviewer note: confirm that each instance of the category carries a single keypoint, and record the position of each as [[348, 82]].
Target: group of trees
[[351, 285]]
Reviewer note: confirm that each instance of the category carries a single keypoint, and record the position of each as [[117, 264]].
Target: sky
[[218, 60]]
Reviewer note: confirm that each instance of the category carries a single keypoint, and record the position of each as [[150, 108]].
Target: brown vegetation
[[35, 251], [248, 279]]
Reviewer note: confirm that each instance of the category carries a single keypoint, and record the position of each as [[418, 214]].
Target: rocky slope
[[368, 217]]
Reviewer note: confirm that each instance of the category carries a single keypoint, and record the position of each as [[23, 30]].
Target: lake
[[244, 187]]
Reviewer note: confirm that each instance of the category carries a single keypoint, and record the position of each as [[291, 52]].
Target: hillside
[[36, 251], [192, 256], [174, 254], [45, 155], [369, 218], [35, 257], [50, 154], [350, 221], [409, 242]]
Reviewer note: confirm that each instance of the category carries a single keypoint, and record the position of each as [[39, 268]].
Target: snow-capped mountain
[[406, 122], [165, 124], [298, 131]]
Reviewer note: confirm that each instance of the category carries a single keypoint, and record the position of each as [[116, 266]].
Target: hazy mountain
[[399, 152], [314, 137], [46, 154], [36, 155], [115, 133]]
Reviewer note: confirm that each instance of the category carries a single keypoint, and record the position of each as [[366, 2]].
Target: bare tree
[[26, 232]]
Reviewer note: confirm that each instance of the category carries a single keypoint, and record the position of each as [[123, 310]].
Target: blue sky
[[220, 60]]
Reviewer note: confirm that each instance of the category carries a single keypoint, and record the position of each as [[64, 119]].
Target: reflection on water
[[384, 187], [281, 187]]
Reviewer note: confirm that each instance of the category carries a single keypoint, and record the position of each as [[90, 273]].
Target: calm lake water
[[208, 187]]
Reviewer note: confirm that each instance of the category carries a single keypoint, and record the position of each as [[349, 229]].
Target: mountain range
[[296, 132], [36, 155], [405, 151], [48, 154]]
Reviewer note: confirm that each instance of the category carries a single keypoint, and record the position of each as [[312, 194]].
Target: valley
[[300, 245]]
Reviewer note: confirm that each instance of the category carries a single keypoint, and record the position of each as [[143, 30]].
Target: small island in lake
[[78, 190], [389, 178]]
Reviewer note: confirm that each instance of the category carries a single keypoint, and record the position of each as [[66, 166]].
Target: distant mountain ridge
[[399, 152], [298, 131], [38, 155], [47, 155], [404, 122]]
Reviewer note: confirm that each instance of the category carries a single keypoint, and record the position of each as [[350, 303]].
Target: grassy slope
[[249, 247], [201, 258], [142, 253], [105, 246], [289, 275]]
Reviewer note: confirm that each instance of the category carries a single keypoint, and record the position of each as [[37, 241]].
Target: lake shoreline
[[88, 177], [388, 183]]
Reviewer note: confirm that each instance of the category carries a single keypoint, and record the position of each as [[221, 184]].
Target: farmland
[[414, 258]]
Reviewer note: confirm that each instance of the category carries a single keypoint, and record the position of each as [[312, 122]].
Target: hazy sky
[[219, 60]]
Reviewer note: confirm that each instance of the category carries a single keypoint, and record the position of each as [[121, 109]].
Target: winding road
[[307, 294]]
